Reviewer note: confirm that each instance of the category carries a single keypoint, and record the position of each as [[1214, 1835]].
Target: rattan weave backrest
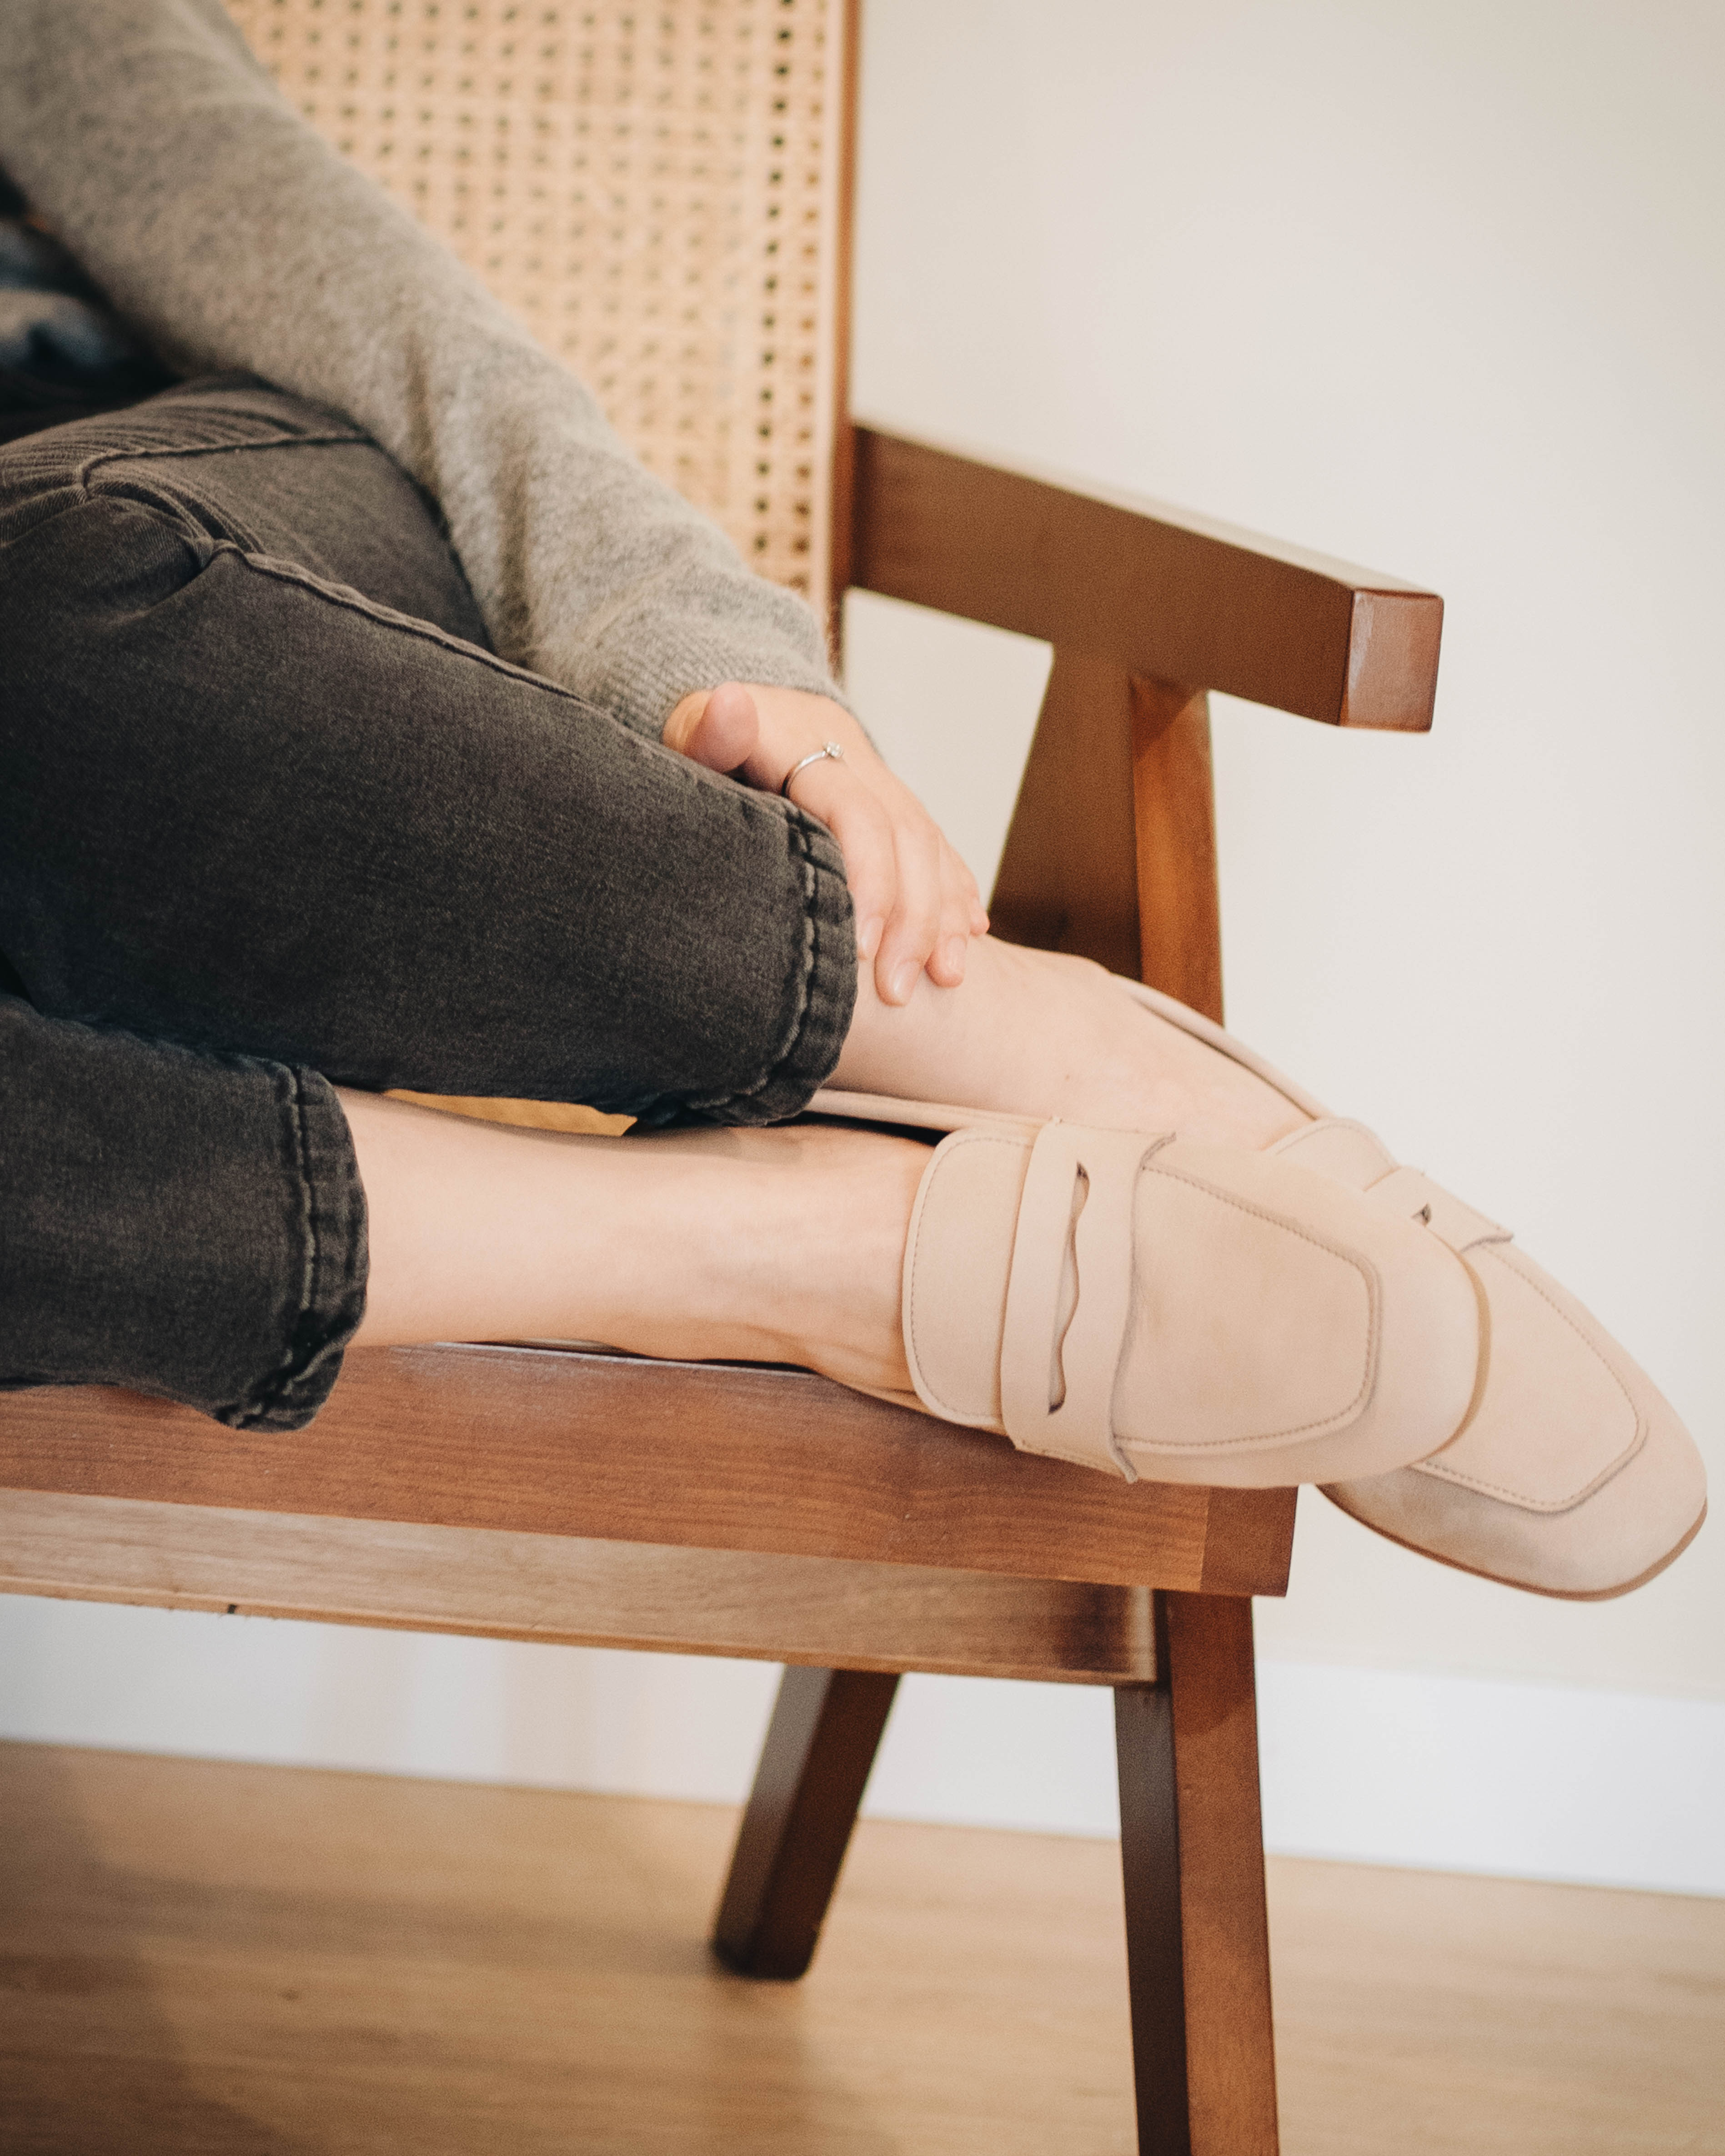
[[653, 189]]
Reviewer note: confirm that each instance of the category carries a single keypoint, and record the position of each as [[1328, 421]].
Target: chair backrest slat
[[654, 190]]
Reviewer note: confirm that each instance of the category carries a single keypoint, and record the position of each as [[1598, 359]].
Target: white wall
[[1439, 290], [1386, 1766]]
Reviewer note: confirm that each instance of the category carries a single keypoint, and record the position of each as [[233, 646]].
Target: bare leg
[[763, 1245], [776, 1246], [1035, 1032], [986, 1025]]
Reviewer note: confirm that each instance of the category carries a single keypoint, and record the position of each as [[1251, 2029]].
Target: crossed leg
[[770, 1244], [266, 792], [265, 795]]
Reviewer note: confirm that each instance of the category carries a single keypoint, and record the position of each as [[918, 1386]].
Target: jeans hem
[[823, 995], [319, 1162]]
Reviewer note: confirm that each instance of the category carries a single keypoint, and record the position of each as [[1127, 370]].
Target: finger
[[864, 835], [728, 729], [976, 913], [960, 912], [958, 904], [914, 923], [726, 734]]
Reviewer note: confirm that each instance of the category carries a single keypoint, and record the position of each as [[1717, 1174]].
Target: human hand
[[916, 904]]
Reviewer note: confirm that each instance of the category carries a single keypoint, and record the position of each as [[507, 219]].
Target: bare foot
[[1036, 1033], [799, 1241], [781, 1245]]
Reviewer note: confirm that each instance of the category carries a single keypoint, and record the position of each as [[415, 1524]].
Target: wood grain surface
[[820, 1747], [1191, 1850], [709, 1457], [1068, 874], [1150, 1874], [1111, 850], [1175, 827], [1161, 593], [498, 1585], [216, 1960], [1206, 1642]]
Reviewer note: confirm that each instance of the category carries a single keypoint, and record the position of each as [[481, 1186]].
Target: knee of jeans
[[97, 559]]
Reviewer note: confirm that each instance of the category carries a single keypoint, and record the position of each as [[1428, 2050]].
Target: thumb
[[720, 729]]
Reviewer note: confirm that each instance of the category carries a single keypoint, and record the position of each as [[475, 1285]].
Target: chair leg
[[820, 1744], [1192, 1850]]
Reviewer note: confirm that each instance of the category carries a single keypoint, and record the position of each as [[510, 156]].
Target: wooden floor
[[261, 1962]]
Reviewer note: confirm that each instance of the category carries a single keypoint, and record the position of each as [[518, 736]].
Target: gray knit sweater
[[227, 232]]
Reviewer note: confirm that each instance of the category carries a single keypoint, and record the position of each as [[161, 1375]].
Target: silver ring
[[818, 756]]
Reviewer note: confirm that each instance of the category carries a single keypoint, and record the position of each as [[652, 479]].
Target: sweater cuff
[[646, 665]]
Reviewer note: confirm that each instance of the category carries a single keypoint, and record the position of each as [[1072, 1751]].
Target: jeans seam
[[321, 1329], [144, 454], [809, 955], [210, 523], [269, 1393], [428, 631], [757, 806], [802, 843], [798, 831]]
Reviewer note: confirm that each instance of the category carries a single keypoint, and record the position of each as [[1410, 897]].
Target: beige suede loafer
[[1189, 1313], [1571, 1475]]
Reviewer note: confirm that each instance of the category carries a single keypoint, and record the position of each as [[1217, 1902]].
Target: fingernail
[[868, 936], [903, 981], [952, 957]]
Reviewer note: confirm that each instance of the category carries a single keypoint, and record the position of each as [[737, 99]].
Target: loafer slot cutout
[[1071, 1287]]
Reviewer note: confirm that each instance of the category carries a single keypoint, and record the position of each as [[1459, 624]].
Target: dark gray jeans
[[273, 818]]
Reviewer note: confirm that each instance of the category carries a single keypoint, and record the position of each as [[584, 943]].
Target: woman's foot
[[1571, 1475], [1039, 1034], [781, 1245], [1073, 1287]]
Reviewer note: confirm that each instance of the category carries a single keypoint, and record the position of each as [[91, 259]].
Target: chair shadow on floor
[[91, 2062], [212, 1960]]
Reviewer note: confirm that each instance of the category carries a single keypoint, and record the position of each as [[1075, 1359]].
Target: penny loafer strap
[[1057, 1394], [1410, 1191]]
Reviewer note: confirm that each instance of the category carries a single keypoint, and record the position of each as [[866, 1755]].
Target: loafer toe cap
[[1574, 1476]]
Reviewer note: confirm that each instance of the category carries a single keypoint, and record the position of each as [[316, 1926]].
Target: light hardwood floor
[[202, 1960]]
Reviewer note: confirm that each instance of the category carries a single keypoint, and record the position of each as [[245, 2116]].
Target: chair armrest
[[1168, 595]]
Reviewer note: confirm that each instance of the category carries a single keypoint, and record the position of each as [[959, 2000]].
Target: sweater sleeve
[[225, 228]]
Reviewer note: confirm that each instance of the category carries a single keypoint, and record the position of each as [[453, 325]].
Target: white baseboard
[[1609, 1789], [1374, 1766], [1367, 1766]]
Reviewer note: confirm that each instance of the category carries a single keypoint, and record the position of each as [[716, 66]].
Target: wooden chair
[[663, 194]]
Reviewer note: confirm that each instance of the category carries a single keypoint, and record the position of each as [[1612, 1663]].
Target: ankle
[[823, 1227], [776, 1246], [1043, 1033]]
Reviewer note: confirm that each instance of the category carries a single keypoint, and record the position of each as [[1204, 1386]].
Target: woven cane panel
[[651, 188]]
